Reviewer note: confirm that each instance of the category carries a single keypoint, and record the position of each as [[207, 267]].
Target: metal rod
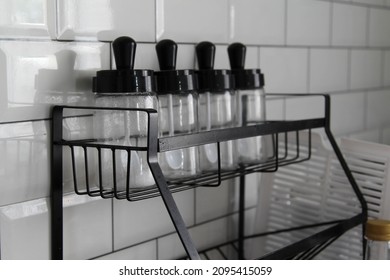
[[346, 169], [221, 135], [166, 194], [241, 218], [56, 186]]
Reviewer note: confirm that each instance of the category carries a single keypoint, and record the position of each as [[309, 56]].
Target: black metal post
[[346, 169], [56, 185], [166, 194], [241, 218]]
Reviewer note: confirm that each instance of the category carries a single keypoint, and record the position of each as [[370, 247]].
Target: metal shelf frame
[[306, 248]]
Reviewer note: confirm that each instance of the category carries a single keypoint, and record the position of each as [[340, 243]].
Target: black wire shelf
[[286, 149]]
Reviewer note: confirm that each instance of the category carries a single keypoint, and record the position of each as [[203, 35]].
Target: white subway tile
[[386, 74], [370, 2], [136, 222], [349, 25], [308, 22], [366, 69], [144, 251], [378, 113], [328, 70], [275, 109], [24, 161], [27, 19], [257, 21], [251, 191], [347, 112], [35, 75], [87, 226], [304, 107], [192, 20], [221, 57], [214, 202], [24, 231], [106, 19], [379, 31], [204, 236], [386, 136], [285, 69]]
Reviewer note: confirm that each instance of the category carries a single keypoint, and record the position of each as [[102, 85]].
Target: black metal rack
[[281, 155]]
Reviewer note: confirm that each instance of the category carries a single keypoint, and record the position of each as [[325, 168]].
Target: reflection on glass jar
[[178, 112]]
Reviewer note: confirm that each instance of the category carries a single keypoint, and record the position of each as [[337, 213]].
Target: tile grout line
[[308, 75], [368, 13], [285, 22], [349, 70], [331, 15]]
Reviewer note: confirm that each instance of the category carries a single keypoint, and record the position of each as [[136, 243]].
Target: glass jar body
[[178, 115], [124, 128], [377, 250], [217, 110], [251, 111]]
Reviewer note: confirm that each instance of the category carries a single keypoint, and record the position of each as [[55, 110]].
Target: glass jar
[[217, 108], [124, 128], [251, 111], [178, 112], [249, 84], [124, 88], [378, 240]]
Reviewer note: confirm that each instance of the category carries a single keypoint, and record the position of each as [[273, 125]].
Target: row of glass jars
[[187, 102]]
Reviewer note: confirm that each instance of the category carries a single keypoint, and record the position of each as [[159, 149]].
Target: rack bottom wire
[[289, 150], [308, 248]]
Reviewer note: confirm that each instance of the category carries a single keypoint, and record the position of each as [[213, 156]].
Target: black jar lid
[[244, 78], [125, 79], [210, 79], [170, 80]]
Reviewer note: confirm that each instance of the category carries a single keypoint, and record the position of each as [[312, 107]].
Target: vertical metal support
[[166, 194], [56, 185], [345, 167], [241, 218], [241, 202]]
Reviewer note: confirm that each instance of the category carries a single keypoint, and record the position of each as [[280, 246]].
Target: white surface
[[144, 251], [386, 73], [379, 32], [25, 231], [170, 247], [308, 22], [257, 21], [377, 108], [328, 70], [369, 2], [349, 26], [35, 75], [24, 161], [192, 20], [105, 20], [136, 222], [27, 19], [314, 107], [285, 69], [347, 112], [212, 203], [366, 68]]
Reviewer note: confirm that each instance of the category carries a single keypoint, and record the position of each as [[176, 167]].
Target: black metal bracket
[[165, 189]]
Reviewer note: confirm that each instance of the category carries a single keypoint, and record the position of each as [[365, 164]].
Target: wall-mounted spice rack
[[281, 155]]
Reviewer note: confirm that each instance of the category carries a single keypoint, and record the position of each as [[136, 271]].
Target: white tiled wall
[[50, 49]]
